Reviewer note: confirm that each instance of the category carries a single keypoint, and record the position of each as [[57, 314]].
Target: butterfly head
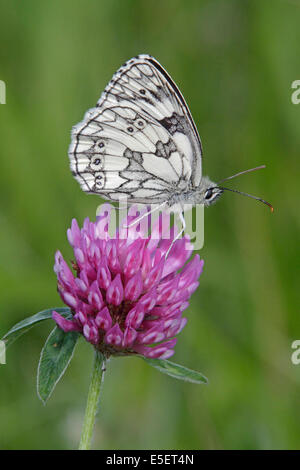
[[208, 192]]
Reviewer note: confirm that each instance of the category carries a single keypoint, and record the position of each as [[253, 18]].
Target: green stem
[[92, 402]]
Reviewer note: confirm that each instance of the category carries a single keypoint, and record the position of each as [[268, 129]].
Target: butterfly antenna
[[249, 195], [242, 173]]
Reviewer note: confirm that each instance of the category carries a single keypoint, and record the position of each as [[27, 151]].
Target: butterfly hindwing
[[140, 140]]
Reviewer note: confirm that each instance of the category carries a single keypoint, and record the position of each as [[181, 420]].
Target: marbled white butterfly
[[140, 142]]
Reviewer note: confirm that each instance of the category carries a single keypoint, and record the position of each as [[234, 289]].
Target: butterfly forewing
[[140, 141]]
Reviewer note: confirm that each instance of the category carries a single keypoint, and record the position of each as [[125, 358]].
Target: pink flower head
[[127, 296]]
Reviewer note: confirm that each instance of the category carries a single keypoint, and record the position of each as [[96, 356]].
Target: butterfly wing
[[140, 140]]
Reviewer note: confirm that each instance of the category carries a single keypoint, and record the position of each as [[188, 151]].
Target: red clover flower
[[127, 296]]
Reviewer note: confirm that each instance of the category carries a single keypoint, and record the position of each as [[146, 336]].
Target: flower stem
[[92, 402]]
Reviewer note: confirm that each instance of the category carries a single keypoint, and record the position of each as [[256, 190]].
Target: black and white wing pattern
[[140, 140]]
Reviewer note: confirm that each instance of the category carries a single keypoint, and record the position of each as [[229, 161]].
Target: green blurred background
[[234, 61]]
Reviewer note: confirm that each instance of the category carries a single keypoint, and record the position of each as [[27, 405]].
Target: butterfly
[[140, 142]]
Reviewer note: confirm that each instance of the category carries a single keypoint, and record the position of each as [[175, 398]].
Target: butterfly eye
[[130, 129], [208, 193], [142, 91]]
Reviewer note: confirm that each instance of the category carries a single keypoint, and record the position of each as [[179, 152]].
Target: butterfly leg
[[183, 227], [121, 208], [144, 215]]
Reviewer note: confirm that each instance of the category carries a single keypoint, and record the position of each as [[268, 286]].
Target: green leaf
[[176, 371], [55, 358], [24, 325]]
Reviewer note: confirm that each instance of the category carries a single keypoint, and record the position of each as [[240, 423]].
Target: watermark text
[[2, 92], [295, 97], [295, 357], [2, 353], [142, 221]]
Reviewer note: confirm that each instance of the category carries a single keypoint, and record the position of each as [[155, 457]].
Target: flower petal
[[134, 287], [103, 319], [111, 251], [130, 335], [147, 301], [115, 292], [65, 324], [155, 274], [135, 317], [151, 336], [133, 258], [114, 336], [69, 299], [161, 351], [103, 274], [74, 233], [95, 296], [91, 333]]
